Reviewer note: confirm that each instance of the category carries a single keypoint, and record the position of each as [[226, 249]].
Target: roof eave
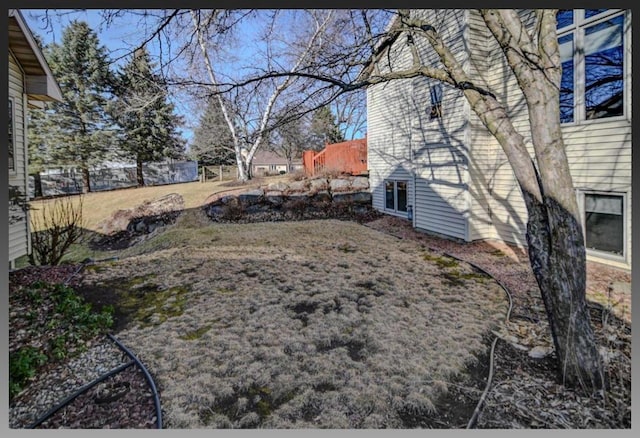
[[39, 87]]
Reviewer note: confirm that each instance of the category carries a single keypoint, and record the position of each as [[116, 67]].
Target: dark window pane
[[592, 12], [389, 195], [567, 82], [436, 101], [604, 223], [402, 195], [564, 17], [604, 69], [11, 148]]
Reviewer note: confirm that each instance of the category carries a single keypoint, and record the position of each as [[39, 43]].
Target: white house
[[30, 84], [430, 154]]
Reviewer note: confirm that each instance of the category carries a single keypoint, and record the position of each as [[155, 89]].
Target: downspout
[[467, 134], [25, 108], [413, 169]]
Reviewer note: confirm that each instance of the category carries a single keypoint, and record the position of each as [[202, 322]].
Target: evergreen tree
[[75, 131], [212, 142], [148, 125], [324, 129]]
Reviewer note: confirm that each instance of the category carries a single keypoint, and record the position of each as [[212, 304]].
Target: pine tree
[[77, 128], [148, 125], [324, 129], [212, 142]]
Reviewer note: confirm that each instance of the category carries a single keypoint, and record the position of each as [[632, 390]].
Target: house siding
[[405, 143], [599, 152], [389, 155], [19, 230]]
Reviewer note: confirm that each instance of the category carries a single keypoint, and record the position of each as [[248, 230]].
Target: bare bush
[[55, 228]]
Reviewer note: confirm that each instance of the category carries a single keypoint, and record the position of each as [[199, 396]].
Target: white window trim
[[14, 171], [577, 28], [395, 210], [603, 254]]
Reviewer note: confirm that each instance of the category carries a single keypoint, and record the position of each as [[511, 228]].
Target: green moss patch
[[195, 334], [441, 261]]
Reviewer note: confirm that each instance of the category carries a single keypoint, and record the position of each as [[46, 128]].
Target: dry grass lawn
[[315, 324]]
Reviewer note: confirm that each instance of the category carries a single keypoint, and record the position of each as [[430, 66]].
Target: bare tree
[[245, 148]]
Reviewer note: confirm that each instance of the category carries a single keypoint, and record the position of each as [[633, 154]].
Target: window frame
[[599, 253], [577, 28], [12, 171], [395, 196]]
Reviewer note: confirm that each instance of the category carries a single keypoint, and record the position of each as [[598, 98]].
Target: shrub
[[23, 364], [55, 228], [59, 322]]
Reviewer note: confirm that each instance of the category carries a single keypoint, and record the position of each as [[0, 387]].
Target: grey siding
[[388, 152], [599, 152], [18, 230], [404, 142]]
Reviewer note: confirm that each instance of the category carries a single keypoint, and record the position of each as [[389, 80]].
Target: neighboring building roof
[[268, 157], [40, 84]]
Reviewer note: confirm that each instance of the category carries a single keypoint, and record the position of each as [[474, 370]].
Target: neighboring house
[[429, 154], [270, 163], [30, 84]]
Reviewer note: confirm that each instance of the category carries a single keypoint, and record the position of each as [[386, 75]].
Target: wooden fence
[[347, 157], [218, 173]]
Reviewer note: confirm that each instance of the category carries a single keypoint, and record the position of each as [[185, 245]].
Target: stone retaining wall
[[321, 197]]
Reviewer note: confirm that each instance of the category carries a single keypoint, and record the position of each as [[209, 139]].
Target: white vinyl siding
[[599, 154], [405, 143], [18, 230]]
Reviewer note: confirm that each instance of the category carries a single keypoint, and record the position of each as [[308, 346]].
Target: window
[[11, 143], [436, 101], [604, 223], [592, 54], [395, 196]]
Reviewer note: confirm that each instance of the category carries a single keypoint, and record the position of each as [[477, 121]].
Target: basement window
[[604, 223], [395, 196]]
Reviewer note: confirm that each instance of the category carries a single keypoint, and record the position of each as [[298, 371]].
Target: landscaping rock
[[360, 183], [540, 352], [277, 186], [340, 185], [298, 186], [316, 185], [358, 197], [128, 219], [251, 196]]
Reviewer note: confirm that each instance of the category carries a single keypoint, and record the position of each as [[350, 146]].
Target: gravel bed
[[63, 379]]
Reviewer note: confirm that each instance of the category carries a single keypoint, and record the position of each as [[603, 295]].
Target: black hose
[[476, 412], [79, 392], [147, 376], [88, 261]]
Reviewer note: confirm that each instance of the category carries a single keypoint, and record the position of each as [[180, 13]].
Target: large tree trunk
[[558, 260], [243, 175], [139, 175]]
